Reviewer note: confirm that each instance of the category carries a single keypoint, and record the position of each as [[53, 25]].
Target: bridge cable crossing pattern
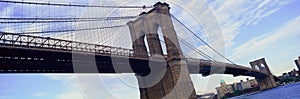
[[56, 20], [201, 39], [73, 5]]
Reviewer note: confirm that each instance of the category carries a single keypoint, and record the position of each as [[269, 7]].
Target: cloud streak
[[263, 42]]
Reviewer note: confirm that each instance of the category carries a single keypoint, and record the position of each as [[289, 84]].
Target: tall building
[[253, 82], [245, 85], [239, 86], [234, 86], [224, 89], [297, 62]]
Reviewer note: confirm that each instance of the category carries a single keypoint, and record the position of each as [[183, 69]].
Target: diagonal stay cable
[[201, 39], [195, 49]]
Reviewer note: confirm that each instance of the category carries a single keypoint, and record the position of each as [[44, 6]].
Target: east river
[[291, 91]]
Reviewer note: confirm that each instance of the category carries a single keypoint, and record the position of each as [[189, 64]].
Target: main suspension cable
[[57, 20], [74, 5], [99, 18]]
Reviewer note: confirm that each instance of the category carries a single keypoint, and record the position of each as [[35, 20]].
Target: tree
[[287, 80]]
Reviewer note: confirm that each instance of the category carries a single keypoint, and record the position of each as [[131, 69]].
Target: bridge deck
[[32, 54]]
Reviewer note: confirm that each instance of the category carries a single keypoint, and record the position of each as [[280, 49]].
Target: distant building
[[253, 83], [234, 86], [293, 73], [229, 89], [285, 75], [239, 86], [297, 62], [224, 89], [245, 85], [292, 76]]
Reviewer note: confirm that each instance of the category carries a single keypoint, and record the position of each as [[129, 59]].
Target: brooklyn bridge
[[157, 58]]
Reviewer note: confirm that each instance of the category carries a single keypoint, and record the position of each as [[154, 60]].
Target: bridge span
[[34, 54]]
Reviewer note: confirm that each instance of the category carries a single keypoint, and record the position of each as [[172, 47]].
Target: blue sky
[[242, 30]]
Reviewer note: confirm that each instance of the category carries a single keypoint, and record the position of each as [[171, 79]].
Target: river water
[[291, 91]]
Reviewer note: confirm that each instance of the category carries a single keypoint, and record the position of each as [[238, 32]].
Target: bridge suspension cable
[[71, 30], [62, 20], [57, 20], [201, 39], [73, 5], [195, 49], [98, 18]]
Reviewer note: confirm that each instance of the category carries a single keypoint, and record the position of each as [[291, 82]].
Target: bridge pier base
[[171, 82], [266, 82]]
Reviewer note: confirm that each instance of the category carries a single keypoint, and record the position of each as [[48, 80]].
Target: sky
[[242, 30]]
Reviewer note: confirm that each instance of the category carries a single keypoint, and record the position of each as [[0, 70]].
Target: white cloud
[[234, 15], [221, 20], [92, 86], [107, 86], [69, 84], [263, 42], [61, 77]]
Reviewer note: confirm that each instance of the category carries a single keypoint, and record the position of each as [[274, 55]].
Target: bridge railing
[[29, 41]]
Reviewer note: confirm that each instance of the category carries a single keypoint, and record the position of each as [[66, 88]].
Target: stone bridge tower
[[170, 80], [265, 82]]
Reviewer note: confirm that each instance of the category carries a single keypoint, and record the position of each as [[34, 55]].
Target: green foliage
[[296, 80], [237, 93], [288, 79]]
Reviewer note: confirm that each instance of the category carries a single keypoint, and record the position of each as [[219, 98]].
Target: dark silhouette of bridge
[[32, 54], [23, 53]]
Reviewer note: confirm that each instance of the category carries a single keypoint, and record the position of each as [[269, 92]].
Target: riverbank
[[291, 91]]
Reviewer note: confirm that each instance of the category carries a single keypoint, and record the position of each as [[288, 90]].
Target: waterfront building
[[228, 89], [245, 85], [297, 62], [253, 83], [239, 86], [224, 89]]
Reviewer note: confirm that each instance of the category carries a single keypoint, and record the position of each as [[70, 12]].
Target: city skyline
[[250, 30]]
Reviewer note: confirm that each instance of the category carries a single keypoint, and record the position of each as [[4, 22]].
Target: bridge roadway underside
[[14, 59]]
